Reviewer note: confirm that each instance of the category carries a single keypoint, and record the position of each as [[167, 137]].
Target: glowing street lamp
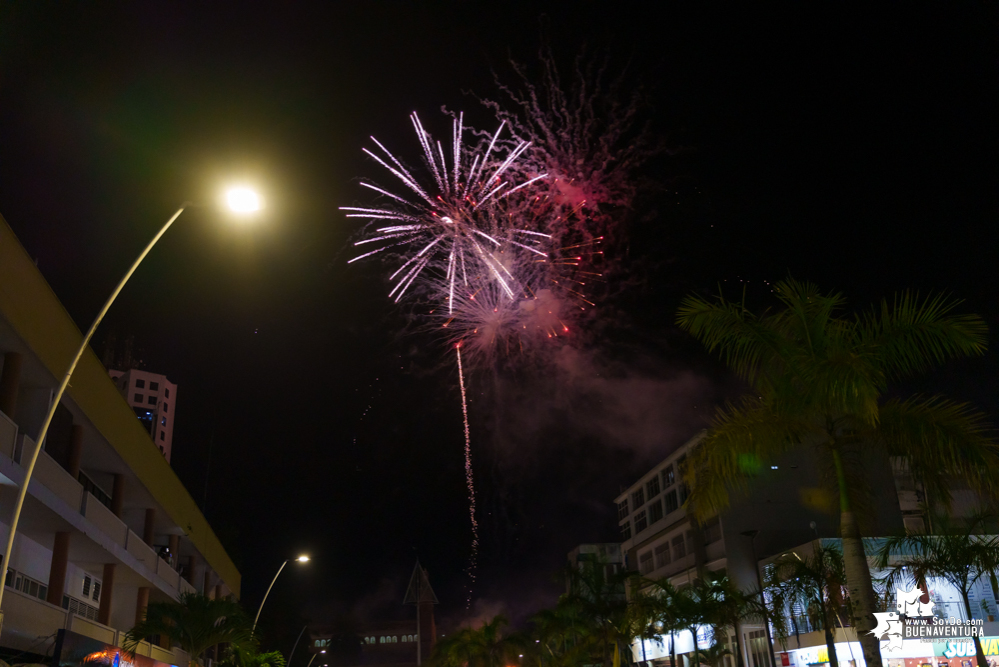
[[240, 200], [301, 559]]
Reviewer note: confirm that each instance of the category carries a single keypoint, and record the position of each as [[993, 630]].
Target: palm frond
[[911, 335], [195, 623], [743, 340], [940, 437], [741, 437]]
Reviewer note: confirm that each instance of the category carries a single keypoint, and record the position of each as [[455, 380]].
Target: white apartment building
[[154, 400], [784, 511], [107, 527]]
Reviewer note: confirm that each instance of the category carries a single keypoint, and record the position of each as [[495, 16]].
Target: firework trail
[[469, 482], [480, 238], [450, 238]]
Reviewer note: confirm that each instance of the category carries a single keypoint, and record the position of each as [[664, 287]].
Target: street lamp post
[[292, 654], [751, 534], [240, 200], [300, 559]]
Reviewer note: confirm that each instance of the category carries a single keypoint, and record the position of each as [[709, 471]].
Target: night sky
[[856, 148]]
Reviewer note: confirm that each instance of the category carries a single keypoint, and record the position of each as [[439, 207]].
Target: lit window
[[381, 640], [622, 509], [668, 476], [152, 400], [395, 640], [163, 422], [138, 398], [140, 384], [153, 386]]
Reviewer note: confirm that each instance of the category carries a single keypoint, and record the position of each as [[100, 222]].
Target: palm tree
[[486, 646], [961, 556], [731, 606], [714, 654], [599, 593], [815, 582], [245, 656], [195, 623], [658, 614], [561, 637], [818, 381]]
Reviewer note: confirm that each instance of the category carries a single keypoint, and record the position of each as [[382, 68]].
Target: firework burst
[[447, 226]]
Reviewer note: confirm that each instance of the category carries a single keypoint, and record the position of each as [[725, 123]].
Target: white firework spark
[[448, 226]]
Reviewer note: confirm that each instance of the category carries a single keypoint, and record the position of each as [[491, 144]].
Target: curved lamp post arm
[[57, 398], [261, 608], [292, 654]]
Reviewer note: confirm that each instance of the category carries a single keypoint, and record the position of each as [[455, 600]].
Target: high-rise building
[[153, 398]]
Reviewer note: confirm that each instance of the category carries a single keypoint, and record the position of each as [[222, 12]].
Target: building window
[[655, 511], [395, 639], [86, 585], [683, 493], [152, 400], [97, 492], [162, 435], [638, 498], [166, 407], [97, 592], [679, 547], [163, 421], [668, 476], [138, 398], [622, 509], [671, 504], [381, 640], [626, 530], [712, 531], [140, 384], [153, 386], [652, 487], [645, 563], [166, 392], [640, 522], [29, 586], [662, 555]]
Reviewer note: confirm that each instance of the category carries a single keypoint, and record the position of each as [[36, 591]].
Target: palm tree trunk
[[858, 573], [672, 650], [830, 639], [979, 653], [697, 655], [739, 660]]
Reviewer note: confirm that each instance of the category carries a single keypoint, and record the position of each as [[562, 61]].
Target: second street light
[[301, 559], [240, 200]]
